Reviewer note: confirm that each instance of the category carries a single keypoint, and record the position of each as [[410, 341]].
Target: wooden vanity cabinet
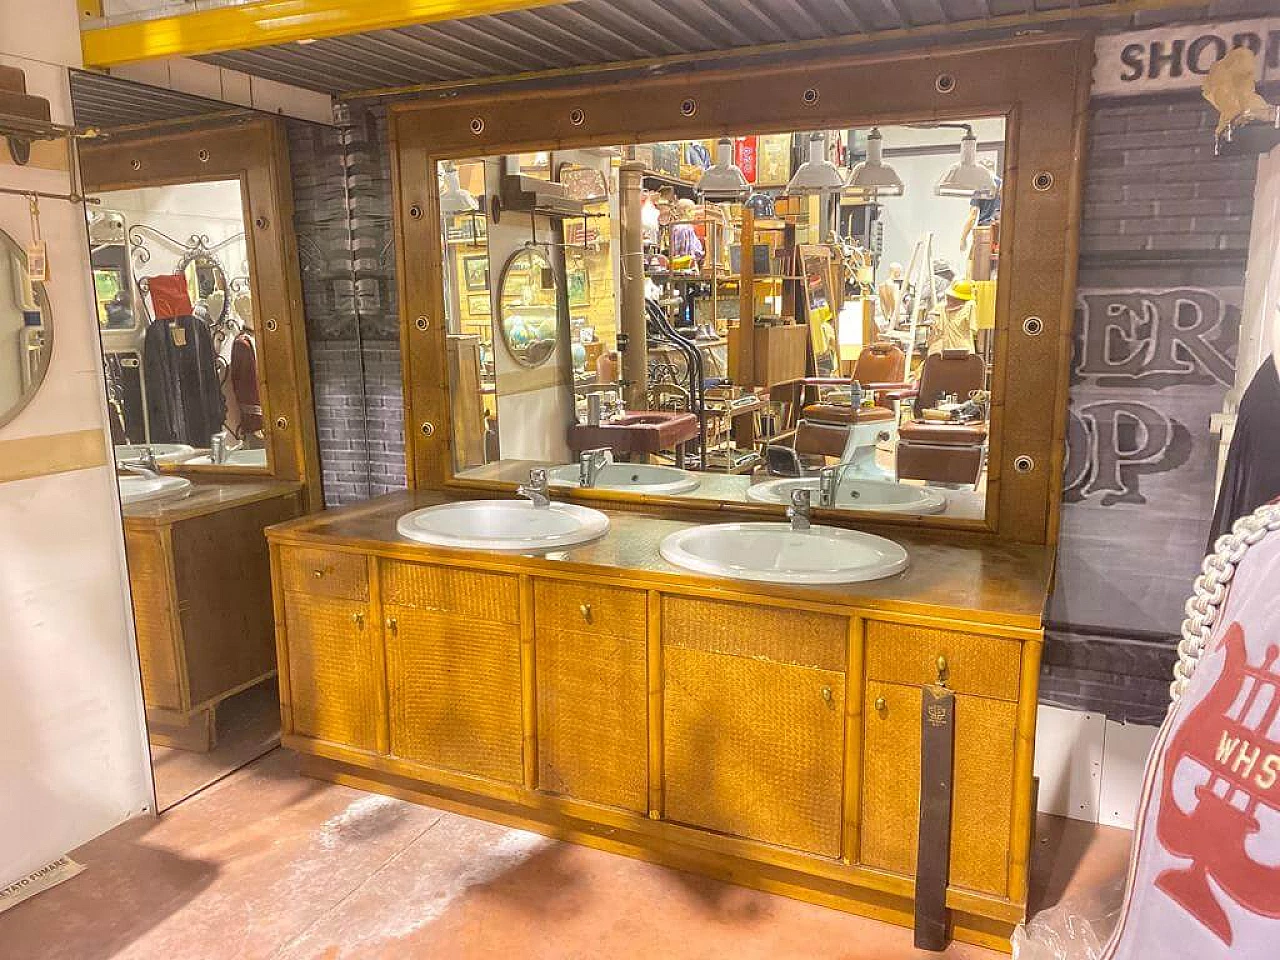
[[201, 590], [766, 738]]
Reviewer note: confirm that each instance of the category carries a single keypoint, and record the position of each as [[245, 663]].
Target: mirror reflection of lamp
[[817, 174], [873, 178], [967, 178], [724, 179]]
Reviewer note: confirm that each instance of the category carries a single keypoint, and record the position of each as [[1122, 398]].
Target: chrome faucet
[[800, 510], [828, 483], [590, 463], [218, 448], [536, 489], [145, 465]]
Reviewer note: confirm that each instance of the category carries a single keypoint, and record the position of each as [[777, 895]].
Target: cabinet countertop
[[206, 498], [954, 575]]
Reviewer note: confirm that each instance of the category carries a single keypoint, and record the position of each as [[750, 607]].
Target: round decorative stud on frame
[[272, 325], [477, 125], [422, 323], [261, 223], [282, 423], [428, 429], [1023, 464], [135, 164], [810, 97], [688, 107], [1033, 326], [415, 211], [944, 83], [577, 117], [1042, 181], [203, 156]]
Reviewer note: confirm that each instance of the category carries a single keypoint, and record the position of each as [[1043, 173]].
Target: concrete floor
[[267, 864]]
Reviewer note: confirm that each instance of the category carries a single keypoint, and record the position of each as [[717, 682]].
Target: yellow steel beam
[[268, 22]]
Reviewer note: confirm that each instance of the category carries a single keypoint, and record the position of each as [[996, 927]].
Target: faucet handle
[[538, 478]]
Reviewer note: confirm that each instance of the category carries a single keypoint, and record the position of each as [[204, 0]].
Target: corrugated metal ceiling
[[599, 32], [102, 101]]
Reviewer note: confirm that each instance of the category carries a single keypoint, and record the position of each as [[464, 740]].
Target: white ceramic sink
[[774, 553], [507, 526], [140, 489], [235, 458], [163, 452], [635, 477], [855, 494]]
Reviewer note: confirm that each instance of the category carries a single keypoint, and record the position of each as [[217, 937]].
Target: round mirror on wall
[[26, 331], [529, 307]]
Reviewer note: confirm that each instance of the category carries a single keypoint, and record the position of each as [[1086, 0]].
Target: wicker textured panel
[[468, 593], [153, 620], [890, 777], [324, 572], [592, 731], [983, 797], [904, 653], [616, 611], [332, 678], [750, 630], [454, 688], [754, 748]]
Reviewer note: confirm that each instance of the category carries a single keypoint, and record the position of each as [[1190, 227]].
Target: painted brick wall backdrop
[[1163, 245]]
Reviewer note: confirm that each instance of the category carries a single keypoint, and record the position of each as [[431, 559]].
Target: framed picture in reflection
[[478, 305], [475, 272]]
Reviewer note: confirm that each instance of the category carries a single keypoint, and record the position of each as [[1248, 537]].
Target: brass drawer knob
[[392, 624], [827, 695], [585, 610], [942, 670], [881, 705], [317, 574], [358, 619]]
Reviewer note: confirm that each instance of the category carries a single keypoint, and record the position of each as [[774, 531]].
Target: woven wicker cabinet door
[[332, 654], [982, 801], [154, 620], [453, 688], [754, 748]]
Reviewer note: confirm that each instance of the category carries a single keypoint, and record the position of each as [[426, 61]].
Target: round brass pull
[[585, 610], [358, 619], [392, 624], [881, 705], [317, 574], [827, 695], [942, 669]]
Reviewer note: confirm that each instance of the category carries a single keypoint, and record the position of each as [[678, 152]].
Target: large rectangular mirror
[[175, 305], [732, 319]]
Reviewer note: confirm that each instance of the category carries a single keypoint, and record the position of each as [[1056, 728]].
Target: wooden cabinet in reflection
[[200, 579]]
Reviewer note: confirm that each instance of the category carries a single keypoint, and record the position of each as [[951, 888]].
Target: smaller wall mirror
[[26, 331], [529, 307]]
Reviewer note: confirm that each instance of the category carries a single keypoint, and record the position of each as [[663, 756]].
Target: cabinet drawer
[[591, 608], [756, 631], [983, 666], [325, 572], [494, 597]]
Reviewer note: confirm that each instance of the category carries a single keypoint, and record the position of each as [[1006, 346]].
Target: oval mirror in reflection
[[529, 307], [26, 331], [206, 284]]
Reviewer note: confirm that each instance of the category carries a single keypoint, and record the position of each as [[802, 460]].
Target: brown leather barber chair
[[938, 451], [879, 369]]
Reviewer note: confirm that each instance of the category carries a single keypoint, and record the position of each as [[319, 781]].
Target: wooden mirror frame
[[1040, 85], [253, 150]]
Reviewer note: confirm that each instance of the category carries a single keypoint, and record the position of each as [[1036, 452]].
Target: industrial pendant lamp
[[723, 180], [454, 199], [817, 174], [968, 178], [873, 177]]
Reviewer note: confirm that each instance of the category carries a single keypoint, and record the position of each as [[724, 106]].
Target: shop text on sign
[[1174, 58]]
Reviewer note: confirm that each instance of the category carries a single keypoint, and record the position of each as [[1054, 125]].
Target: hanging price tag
[[37, 253]]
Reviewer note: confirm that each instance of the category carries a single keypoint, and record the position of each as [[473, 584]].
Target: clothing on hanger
[[244, 383], [184, 398], [1252, 474]]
